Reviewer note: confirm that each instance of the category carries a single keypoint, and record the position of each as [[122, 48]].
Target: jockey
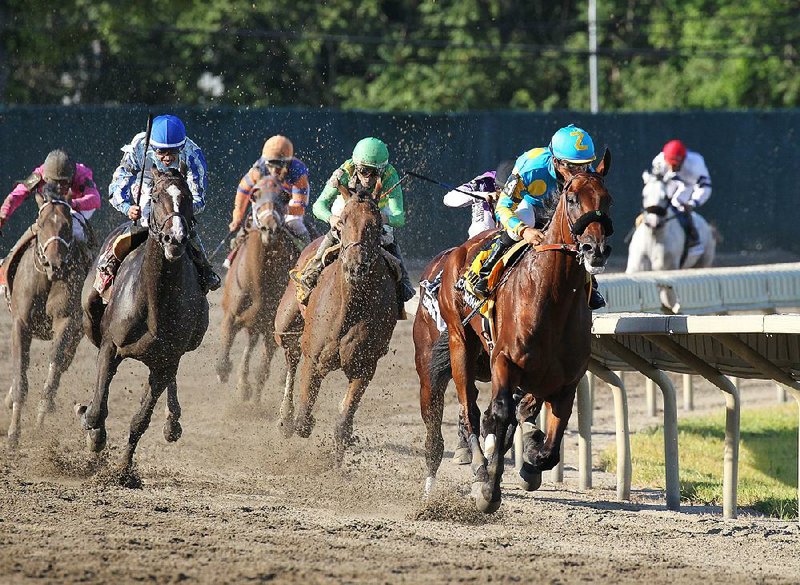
[[536, 179], [369, 164], [277, 160], [686, 177], [169, 148], [485, 190], [75, 184]]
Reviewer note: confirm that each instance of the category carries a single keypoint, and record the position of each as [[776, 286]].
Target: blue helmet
[[168, 132], [572, 144]]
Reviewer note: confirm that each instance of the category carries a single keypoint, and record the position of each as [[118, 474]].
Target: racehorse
[[45, 303], [349, 321], [254, 284], [542, 344], [157, 313], [659, 241]]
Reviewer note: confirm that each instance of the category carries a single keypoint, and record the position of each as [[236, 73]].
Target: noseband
[[41, 247]]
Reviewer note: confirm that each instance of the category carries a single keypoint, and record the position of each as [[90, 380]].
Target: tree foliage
[[437, 55]]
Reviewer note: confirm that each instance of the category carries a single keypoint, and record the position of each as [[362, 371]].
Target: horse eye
[[572, 200]]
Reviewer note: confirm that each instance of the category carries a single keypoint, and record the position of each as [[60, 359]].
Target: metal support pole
[[673, 488], [650, 397], [730, 469], [584, 435], [593, 86], [622, 430], [688, 392]]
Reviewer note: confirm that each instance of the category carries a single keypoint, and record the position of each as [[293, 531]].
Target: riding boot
[[307, 277], [691, 230], [480, 280], [209, 280], [236, 243], [596, 300], [299, 233], [405, 290]]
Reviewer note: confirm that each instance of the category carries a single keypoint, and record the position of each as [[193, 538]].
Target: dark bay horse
[[542, 344], [157, 313], [45, 303], [254, 284], [349, 321]]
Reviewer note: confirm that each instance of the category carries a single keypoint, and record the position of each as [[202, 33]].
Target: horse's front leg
[[20, 358], [93, 417], [343, 435], [291, 353], [310, 380], [262, 373], [547, 455], [243, 389], [172, 427], [229, 329], [498, 419], [156, 383], [68, 332]]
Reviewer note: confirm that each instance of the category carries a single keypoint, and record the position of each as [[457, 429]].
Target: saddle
[[466, 282], [118, 246]]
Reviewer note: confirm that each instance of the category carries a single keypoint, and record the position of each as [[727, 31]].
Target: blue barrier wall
[[752, 157]]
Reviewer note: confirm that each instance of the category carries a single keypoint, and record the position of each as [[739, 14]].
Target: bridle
[[577, 227], [41, 247], [350, 245], [158, 233]]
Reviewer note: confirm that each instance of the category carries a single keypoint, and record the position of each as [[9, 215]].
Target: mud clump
[[450, 506]]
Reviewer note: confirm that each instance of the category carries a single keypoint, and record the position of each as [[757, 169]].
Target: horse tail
[[440, 370]]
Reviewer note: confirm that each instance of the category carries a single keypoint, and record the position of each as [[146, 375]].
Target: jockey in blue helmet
[[169, 148], [537, 177]]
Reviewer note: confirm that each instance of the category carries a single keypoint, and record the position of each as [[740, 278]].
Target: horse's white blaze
[[176, 225], [489, 445]]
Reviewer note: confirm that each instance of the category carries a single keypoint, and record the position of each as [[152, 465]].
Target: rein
[[41, 247]]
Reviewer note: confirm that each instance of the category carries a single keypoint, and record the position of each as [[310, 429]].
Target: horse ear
[[605, 164], [345, 192]]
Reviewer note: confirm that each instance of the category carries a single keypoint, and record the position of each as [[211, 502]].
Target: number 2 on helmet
[[579, 141]]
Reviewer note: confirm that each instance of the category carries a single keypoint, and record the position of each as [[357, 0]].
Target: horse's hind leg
[[431, 404], [229, 329], [20, 357], [172, 428], [243, 388], [93, 416], [68, 334], [157, 381]]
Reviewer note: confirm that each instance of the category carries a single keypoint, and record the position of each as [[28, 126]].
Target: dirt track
[[233, 501]]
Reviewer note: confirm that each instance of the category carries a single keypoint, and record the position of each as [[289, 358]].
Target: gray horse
[[157, 312], [44, 283]]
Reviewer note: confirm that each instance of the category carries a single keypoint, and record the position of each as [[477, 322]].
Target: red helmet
[[674, 152]]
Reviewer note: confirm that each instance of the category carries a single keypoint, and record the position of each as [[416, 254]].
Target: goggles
[[575, 167], [167, 151], [278, 163], [367, 171]]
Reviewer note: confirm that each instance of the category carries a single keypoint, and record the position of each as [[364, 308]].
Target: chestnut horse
[[45, 303], [254, 284], [157, 313], [542, 344], [349, 321]]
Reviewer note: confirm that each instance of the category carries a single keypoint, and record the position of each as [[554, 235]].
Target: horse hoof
[[286, 427], [481, 503], [304, 429], [244, 392], [45, 407], [9, 401], [12, 442], [430, 484], [529, 480], [172, 430], [79, 410], [462, 456], [96, 439]]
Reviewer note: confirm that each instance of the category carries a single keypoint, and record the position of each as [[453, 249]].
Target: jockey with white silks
[[687, 181], [536, 180], [169, 148]]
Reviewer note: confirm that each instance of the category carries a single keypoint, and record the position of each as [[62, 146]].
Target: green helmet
[[371, 152], [58, 166]]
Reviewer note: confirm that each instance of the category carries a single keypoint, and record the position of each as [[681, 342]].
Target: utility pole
[[593, 97]]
